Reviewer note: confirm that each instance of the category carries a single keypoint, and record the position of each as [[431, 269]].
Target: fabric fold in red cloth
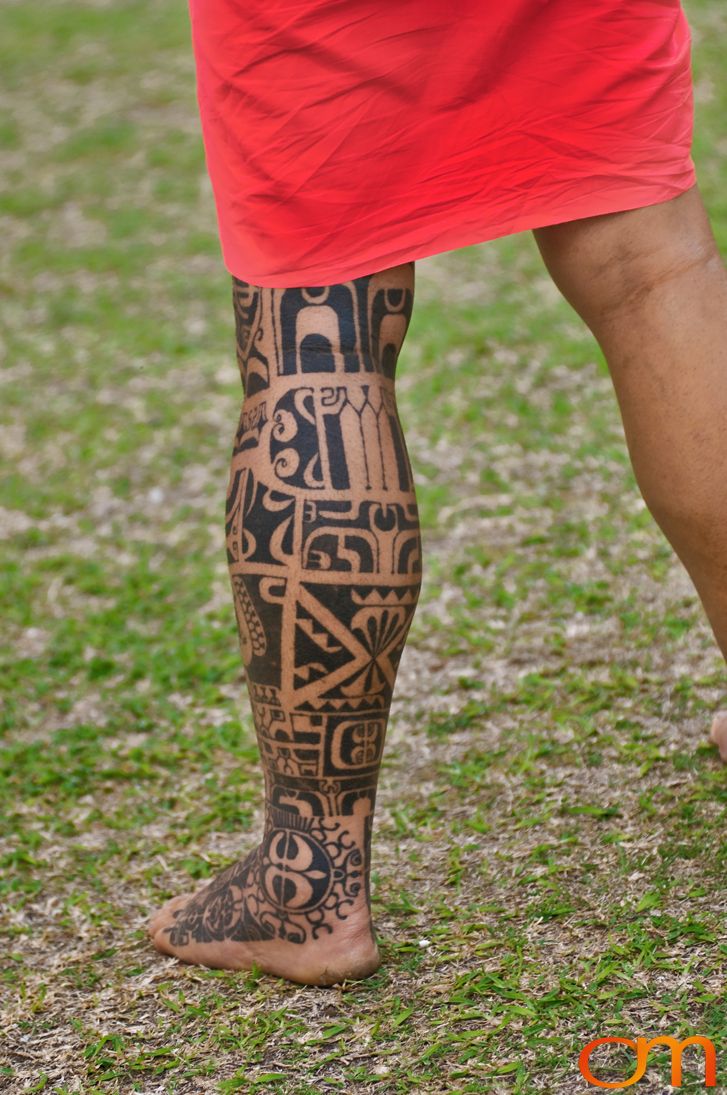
[[346, 136]]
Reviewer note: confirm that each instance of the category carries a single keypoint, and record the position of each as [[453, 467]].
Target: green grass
[[550, 852]]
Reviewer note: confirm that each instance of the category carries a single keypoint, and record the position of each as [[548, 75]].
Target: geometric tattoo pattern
[[304, 876], [324, 556]]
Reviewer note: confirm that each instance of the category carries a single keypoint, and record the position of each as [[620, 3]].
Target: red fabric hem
[[430, 239]]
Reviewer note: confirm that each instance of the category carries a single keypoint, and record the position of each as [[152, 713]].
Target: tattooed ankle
[[304, 879]]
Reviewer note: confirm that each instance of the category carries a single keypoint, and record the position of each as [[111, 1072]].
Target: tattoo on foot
[[301, 880]]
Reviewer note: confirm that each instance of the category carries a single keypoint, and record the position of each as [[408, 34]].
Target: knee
[[320, 472], [317, 366], [352, 327]]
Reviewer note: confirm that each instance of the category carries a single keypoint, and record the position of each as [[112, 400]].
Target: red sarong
[[346, 136]]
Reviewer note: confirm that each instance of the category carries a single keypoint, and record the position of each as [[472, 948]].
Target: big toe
[[718, 733], [165, 915]]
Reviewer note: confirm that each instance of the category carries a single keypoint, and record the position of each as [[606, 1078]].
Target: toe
[[718, 733], [160, 940], [165, 915]]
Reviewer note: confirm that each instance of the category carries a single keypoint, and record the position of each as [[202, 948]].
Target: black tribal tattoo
[[302, 878], [324, 554]]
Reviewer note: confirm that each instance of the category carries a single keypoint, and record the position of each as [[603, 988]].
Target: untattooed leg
[[324, 553], [652, 286]]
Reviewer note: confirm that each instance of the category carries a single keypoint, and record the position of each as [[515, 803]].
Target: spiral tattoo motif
[[303, 878]]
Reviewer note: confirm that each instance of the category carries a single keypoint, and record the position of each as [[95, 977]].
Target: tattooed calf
[[324, 554]]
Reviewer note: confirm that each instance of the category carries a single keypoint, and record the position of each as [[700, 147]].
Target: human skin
[[324, 554], [324, 550], [651, 285]]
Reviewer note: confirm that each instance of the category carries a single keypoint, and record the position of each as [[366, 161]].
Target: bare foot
[[296, 907], [718, 733]]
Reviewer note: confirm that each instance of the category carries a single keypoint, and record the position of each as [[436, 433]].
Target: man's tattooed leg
[[324, 555]]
